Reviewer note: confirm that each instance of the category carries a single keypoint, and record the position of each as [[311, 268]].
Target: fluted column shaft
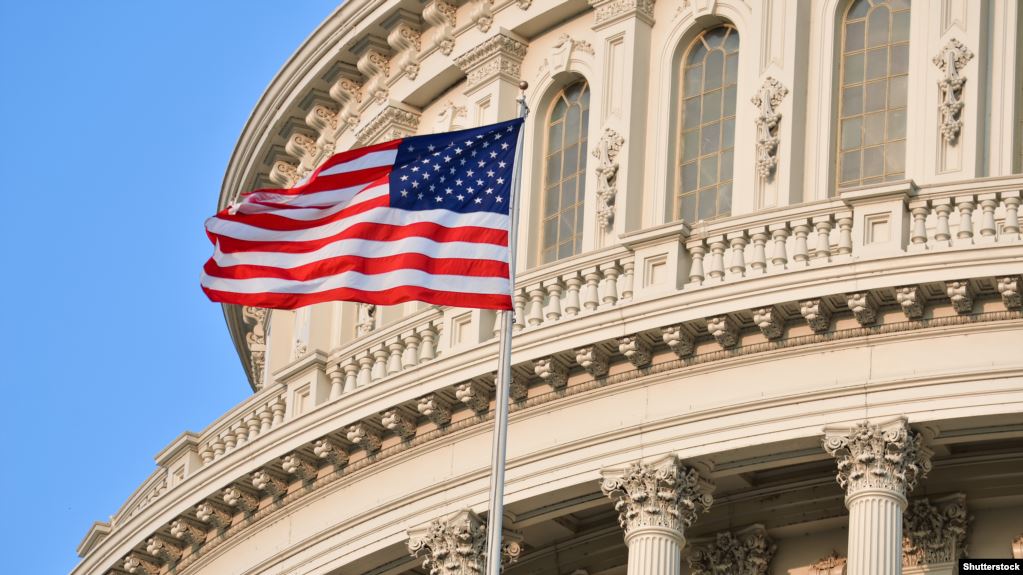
[[655, 551], [875, 532]]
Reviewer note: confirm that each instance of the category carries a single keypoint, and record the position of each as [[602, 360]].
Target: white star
[[479, 136], [497, 136], [498, 199], [426, 160], [490, 191], [431, 147], [470, 173], [486, 144], [468, 143], [504, 145], [493, 154], [442, 178], [500, 180], [447, 158], [510, 128], [458, 150], [481, 163], [436, 167], [470, 190], [415, 184], [432, 187], [479, 200], [420, 196], [439, 199], [458, 182], [426, 175], [490, 173], [411, 148], [415, 168], [447, 191], [473, 154], [501, 164], [404, 177], [460, 197], [404, 193], [479, 182], [462, 162]]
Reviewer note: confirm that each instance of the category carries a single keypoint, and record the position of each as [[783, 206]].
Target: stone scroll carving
[[748, 552], [457, 545], [767, 100], [440, 15], [606, 152], [404, 39], [934, 531], [833, 564], [254, 319], [890, 456], [951, 61], [366, 320], [663, 494]]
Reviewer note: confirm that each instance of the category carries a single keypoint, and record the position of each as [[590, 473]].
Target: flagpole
[[498, 453]]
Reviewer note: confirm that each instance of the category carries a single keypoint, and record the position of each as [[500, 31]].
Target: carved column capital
[[665, 494], [746, 552], [500, 56], [606, 12], [888, 457], [456, 545], [393, 122], [833, 564], [934, 531]]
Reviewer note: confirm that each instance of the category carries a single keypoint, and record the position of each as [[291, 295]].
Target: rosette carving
[[934, 531], [748, 552], [664, 494], [890, 456]]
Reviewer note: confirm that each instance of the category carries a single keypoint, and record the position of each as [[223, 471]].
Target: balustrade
[[998, 219], [257, 416], [597, 286]]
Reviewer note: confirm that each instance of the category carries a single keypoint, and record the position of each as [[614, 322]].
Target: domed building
[[767, 314]]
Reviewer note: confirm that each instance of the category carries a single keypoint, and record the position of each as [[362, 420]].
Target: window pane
[[851, 166], [877, 63], [689, 172], [690, 145], [725, 199], [710, 139], [559, 109], [689, 207], [896, 124], [694, 80], [728, 133], [568, 193], [691, 113], [550, 230], [732, 41], [858, 9], [852, 101], [726, 165], [897, 92], [712, 106], [854, 36], [732, 69], [715, 37], [900, 59], [707, 204], [877, 26], [554, 137], [708, 171], [900, 27], [551, 198], [571, 160], [572, 124], [714, 70], [853, 68], [851, 130], [554, 168], [697, 52], [567, 227], [874, 96], [729, 101], [895, 158], [565, 250], [873, 129], [873, 162]]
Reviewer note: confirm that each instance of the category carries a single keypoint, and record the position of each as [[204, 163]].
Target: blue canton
[[464, 171]]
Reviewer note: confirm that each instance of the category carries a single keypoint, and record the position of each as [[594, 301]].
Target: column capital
[[934, 530], [499, 56], [745, 552], [456, 545], [611, 11], [888, 457], [664, 494]]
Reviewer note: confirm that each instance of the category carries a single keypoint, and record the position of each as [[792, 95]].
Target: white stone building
[[765, 243]]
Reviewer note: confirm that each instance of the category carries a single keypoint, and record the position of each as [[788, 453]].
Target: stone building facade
[[768, 311]]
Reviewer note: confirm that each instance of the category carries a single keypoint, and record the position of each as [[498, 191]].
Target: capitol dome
[[768, 315]]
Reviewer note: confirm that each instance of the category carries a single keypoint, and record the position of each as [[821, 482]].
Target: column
[[456, 545], [877, 466], [656, 503]]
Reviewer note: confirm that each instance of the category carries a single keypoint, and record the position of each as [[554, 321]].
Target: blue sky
[[118, 119]]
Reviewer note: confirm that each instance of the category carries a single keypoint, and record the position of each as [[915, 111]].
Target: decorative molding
[[405, 39], [934, 531], [767, 100], [723, 330], [747, 552], [304, 148], [402, 426], [326, 450], [1009, 289], [560, 55], [888, 456], [213, 513], [283, 174], [295, 464], [441, 16], [863, 305], [188, 531], [265, 481], [500, 56], [593, 359], [347, 92], [833, 564], [254, 319], [164, 548], [606, 12], [240, 498], [551, 371], [483, 15], [138, 564], [447, 120], [770, 322], [435, 409], [816, 313], [635, 349], [911, 299], [361, 435], [960, 293], [951, 60], [664, 494], [366, 321], [375, 65], [391, 123], [606, 152], [473, 395]]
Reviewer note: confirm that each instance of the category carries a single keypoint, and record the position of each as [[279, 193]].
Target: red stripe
[[371, 231], [281, 223], [385, 297], [369, 266], [332, 182]]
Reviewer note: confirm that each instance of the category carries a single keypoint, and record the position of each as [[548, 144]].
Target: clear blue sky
[[118, 119]]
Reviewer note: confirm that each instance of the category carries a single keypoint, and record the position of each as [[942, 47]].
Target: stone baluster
[[380, 357], [365, 370], [779, 235], [591, 294], [410, 356], [278, 408], [519, 319], [877, 466], [428, 348], [241, 433], [218, 447], [965, 206], [626, 282], [396, 348], [656, 503], [823, 248], [206, 454], [758, 262], [717, 258], [229, 440], [266, 418], [845, 242], [536, 295], [609, 287], [737, 241], [337, 381], [351, 375], [252, 422], [988, 229], [918, 233], [696, 252], [1010, 227], [553, 309], [801, 253], [572, 284], [942, 232]]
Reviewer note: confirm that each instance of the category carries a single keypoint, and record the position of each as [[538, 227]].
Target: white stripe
[[365, 249], [326, 198], [355, 197], [389, 216], [370, 160], [356, 280]]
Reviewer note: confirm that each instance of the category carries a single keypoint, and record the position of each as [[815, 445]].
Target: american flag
[[423, 218]]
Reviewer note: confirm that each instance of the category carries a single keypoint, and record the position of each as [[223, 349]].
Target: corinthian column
[[456, 545], [877, 465], [656, 503]]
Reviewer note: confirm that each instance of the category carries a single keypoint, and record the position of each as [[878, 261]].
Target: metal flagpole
[[496, 515]]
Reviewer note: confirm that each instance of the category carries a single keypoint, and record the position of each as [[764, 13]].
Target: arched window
[[710, 70], [564, 173], [872, 100]]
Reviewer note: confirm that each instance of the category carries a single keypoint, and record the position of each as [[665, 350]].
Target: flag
[[423, 218]]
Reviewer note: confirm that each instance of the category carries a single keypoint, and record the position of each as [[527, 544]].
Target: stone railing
[[261, 413], [949, 217], [151, 490]]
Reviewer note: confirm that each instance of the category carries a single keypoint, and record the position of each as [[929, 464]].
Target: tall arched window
[[564, 173], [710, 70], [872, 101]]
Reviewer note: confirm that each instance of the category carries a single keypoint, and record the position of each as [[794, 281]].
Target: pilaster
[[878, 464], [493, 70]]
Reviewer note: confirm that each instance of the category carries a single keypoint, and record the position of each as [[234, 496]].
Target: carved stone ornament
[[283, 174], [724, 330], [767, 100], [679, 339], [552, 371], [609, 11], [327, 451], [890, 456], [254, 319], [139, 564], [769, 321], [748, 552], [593, 359], [833, 564], [164, 548], [449, 116], [241, 499], [376, 66], [213, 514], [635, 349], [863, 305], [816, 313], [364, 437], [435, 409], [397, 422], [404, 39], [960, 293], [440, 15], [304, 148], [664, 494], [187, 531], [366, 319], [391, 123], [457, 545], [934, 531], [347, 92], [499, 56], [483, 14], [951, 60], [472, 394], [561, 54], [264, 481], [294, 464], [606, 152], [911, 300], [1009, 289]]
